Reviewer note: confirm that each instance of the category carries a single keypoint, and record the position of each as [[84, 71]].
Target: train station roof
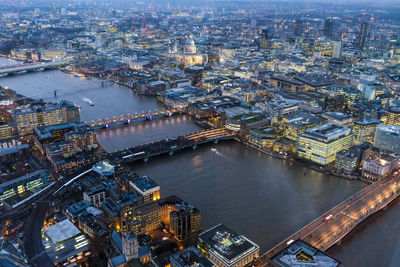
[[61, 231]]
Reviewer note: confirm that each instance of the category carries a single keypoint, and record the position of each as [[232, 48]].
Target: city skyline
[[211, 133]]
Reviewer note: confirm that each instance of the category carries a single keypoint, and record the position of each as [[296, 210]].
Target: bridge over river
[[170, 145], [332, 226]]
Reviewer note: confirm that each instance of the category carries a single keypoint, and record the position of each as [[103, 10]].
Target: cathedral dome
[[190, 47]]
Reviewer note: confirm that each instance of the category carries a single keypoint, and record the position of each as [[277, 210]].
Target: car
[[327, 219]]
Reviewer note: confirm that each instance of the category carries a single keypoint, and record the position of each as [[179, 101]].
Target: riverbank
[[295, 161]]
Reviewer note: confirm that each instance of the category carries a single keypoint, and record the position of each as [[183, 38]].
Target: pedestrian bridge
[[332, 226], [132, 118]]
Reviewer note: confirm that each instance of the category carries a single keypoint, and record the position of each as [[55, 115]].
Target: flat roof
[[337, 115], [144, 184], [61, 231], [170, 200], [302, 254], [33, 175], [327, 131], [226, 242]]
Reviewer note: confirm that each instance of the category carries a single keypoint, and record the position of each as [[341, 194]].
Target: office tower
[[264, 38], [27, 119], [336, 49], [328, 28], [298, 28], [364, 129], [184, 223], [387, 137], [363, 35], [253, 23], [320, 144]]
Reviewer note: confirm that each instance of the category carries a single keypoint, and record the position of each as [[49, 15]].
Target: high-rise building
[[364, 129], [253, 23], [328, 28], [363, 34], [387, 137], [298, 28], [320, 144], [184, 223], [27, 119], [146, 187], [264, 38], [150, 216], [336, 49]]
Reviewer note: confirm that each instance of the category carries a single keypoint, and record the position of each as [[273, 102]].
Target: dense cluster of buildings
[[323, 91]]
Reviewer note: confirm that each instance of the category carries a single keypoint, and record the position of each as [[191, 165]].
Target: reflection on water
[[109, 99], [112, 139], [254, 194]]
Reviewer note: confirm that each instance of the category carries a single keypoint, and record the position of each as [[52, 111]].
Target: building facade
[[387, 137], [27, 119], [320, 144]]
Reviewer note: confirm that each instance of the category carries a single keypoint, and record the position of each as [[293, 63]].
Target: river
[[109, 99], [264, 198]]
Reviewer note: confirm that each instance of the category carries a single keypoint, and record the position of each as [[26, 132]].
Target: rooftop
[[226, 242], [301, 254], [170, 200], [144, 184], [189, 257], [336, 115], [328, 131], [61, 231]]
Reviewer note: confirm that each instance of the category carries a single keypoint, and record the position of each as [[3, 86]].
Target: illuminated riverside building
[[146, 187], [184, 223], [387, 137], [374, 169], [71, 137], [225, 248], [27, 119], [18, 186], [320, 144], [54, 133], [263, 138], [364, 130], [294, 127], [150, 216]]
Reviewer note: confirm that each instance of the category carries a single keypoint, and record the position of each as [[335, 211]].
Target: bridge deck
[[17, 68], [322, 233]]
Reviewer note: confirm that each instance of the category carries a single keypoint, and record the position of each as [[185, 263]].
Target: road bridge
[[332, 226], [24, 68]]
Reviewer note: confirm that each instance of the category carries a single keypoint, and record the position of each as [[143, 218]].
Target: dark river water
[[264, 198], [109, 99]]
